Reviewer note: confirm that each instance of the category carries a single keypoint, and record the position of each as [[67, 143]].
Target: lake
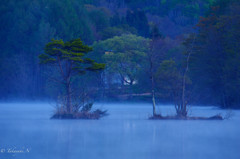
[[26, 132]]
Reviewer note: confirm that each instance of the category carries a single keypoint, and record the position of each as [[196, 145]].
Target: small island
[[176, 117], [96, 114], [68, 61]]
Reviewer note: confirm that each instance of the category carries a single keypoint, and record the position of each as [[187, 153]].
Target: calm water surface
[[26, 132]]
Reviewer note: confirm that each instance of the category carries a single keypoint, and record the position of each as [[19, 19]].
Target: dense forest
[[146, 45]]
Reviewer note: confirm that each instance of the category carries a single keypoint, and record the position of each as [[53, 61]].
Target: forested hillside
[[128, 36]]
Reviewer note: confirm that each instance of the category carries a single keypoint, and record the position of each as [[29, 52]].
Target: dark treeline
[[144, 44]]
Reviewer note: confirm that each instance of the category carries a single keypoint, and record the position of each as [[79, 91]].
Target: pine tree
[[70, 60]]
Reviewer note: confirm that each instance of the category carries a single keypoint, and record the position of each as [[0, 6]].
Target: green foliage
[[217, 52], [169, 79], [172, 84], [72, 52], [138, 20], [70, 60], [190, 8], [124, 55], [110, 32], [28, 25], [155, 34], [99, 16]]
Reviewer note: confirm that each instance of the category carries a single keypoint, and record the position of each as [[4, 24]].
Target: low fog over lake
[[119, 79], [125, 134]]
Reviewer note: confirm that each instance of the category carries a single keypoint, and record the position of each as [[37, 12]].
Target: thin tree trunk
[[69, 91], [152, 84], [153, 102], [184, 104], [69, 96]]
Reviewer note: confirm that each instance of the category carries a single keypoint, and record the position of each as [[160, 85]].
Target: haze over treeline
[[122, 33]]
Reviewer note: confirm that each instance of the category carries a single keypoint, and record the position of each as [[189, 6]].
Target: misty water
[[124, 134]]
